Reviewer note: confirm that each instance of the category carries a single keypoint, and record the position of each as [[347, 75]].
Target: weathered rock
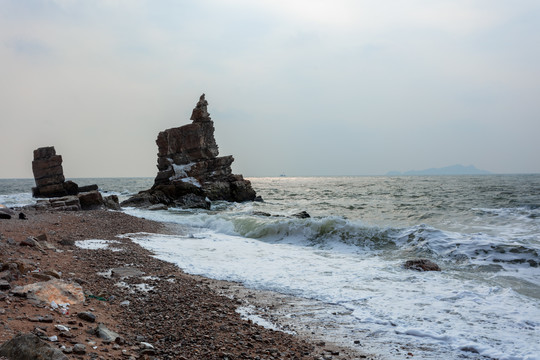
[[188, 164], [302, 215], [87, 316], [111, 202], [71, 187], [79, 349], [88, 188], [41, 237], [421, 265], [30, 347], [105, 334], [29, 241], [59, 291], [4, 285], [6, 213], [50, 180], [48, 173], [91, 200]]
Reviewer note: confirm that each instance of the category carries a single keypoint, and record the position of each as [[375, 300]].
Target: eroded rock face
[[189, 169], [48, 173]]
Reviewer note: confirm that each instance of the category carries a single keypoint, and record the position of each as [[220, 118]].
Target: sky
[[296, 87]]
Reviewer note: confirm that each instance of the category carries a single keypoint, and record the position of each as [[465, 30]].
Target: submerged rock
[[190, 173], [421, 265]]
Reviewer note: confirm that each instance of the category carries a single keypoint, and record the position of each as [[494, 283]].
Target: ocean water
[[346, 260]]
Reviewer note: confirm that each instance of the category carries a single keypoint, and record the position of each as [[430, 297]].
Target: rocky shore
[[132, 306]]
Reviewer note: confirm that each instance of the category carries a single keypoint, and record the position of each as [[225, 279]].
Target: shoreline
[[181, 316]]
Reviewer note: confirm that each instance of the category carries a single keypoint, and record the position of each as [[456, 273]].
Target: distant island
[[448, 170]]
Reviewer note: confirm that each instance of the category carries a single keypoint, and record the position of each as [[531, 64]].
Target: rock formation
[[50, 183], [49, 174], [189, 169]]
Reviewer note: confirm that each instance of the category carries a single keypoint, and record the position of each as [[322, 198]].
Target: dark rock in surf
[[421, 265], [190, 173], [302, 215]]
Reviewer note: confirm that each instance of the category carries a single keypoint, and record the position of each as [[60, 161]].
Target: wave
[[333, 232]]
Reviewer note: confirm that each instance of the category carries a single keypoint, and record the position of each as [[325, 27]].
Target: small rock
[[421, 265], [53, 273], [103, 333], [61, 327], [79, 349], [302, 215], [4, 285], [29, 241], [22, 216], [42, 237], [146, 345], [87, 316]]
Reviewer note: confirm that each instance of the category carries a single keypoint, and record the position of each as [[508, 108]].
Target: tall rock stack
[[48, 173], [189, 170]]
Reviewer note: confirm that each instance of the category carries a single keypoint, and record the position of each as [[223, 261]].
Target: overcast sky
[[300, 87]]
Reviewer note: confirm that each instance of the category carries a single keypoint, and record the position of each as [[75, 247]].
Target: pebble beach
[[155, 310]]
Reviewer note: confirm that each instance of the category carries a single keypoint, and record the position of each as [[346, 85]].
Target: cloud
[[389, 79]]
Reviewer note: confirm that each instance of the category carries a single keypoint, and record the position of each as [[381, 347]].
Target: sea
[[345, 262]]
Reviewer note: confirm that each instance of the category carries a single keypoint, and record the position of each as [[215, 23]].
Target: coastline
[[182, 316]]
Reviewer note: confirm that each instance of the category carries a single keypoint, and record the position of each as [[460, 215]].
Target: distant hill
[[448, 170]]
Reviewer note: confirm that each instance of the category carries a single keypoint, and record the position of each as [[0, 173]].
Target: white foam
[[435, 310], [97, 244]]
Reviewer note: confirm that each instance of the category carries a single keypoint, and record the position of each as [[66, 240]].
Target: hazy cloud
[[297, 87]]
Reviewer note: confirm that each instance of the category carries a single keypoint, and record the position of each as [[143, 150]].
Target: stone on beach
[[29, 346]]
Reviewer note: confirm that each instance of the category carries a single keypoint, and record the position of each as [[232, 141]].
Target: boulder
[[91, 200], [6, 213], [421, 265], [188, 164], [111, 202], [30, 347], [59, 291]]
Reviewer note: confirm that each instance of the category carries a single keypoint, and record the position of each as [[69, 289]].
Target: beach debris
[[190, 171], [421, 265], [30, 346], [22, 216]]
